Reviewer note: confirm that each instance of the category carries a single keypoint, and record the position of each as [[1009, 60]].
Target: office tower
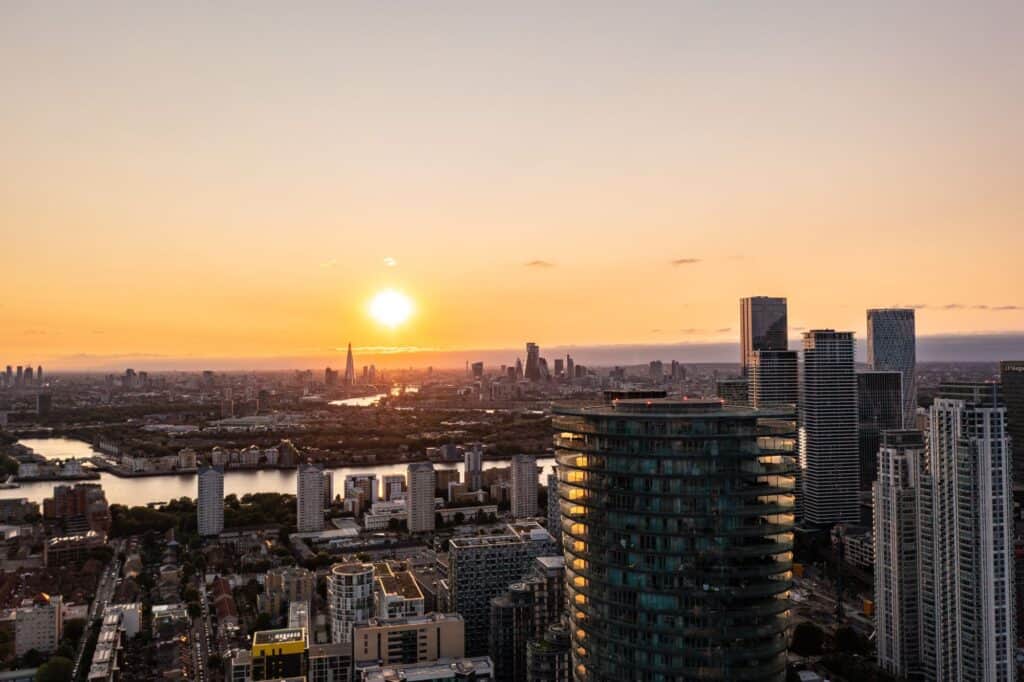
[[677, 371], [763, 326], [968, 577], [524, 486], [532, 371], [549, 659], [482, 567], [419, 500], [892, 347], [478, 370], [559, 367], [570, 367], [350, 367], [554, 510], [394, 486], [773, 378], [330, 377], [405, 641], [656, 371], [474, 465], [28, 376], [879, 409], [1011, 374], [10, 376], [542, 365], [210, 502], [19, 375], [349, 598], [678, 531], [733, 391], [829, 458], [310, 498], [901, 459], [328, 489], [44, 404]]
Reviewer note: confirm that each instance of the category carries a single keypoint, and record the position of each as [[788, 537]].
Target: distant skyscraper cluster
[[21, 376]]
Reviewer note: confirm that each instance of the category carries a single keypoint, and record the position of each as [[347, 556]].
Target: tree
[[32, 659], [807, 640], [848, 641], [73, 629], [57, 669]]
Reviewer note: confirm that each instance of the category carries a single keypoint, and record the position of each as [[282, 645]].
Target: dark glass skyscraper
[[763, 326], [677, 520], [892, 347], [879, 409], [1011, 374]]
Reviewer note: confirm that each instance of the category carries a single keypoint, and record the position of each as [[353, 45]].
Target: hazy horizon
[[938, 348]]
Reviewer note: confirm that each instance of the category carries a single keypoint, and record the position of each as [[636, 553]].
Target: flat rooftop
[[282, 636]]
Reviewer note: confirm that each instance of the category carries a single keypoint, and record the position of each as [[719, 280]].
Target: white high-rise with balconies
[[419, 499], [901, 461], [524, 486], [210, 501], [892, 348], [349, 599], [944, 560], [829, 456], [310, 498]]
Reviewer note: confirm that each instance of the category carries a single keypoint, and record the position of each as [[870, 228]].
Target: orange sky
[[228, 181]]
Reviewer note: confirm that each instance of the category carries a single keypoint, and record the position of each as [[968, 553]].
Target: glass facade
[[677, 521]]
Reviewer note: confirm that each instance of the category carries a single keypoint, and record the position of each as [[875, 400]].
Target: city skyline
[[185, 193]]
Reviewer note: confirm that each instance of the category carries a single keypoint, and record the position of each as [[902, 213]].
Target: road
[[104, 593], [200, 636]]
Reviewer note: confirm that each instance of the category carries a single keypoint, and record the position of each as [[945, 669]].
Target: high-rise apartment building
[[524, 486], [328, 489], [210, 501], [892, 347], [310, 498], [955, 496], [879, 409], [474, 465], [772, 378], [523, 615], [763, 326], [829, 457], [554, 509], [1011, 375], [901, 460], [482, 567], [419, 500], [677, 528], [350, 599]]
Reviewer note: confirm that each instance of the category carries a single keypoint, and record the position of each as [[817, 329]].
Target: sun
[[391, 308]]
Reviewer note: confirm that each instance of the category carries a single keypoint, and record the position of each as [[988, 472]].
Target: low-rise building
[[403, 641]]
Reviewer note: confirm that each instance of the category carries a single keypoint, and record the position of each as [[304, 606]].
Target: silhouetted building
[[763, 326], [892, 348]]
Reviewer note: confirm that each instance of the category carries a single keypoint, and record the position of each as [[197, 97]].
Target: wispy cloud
[[329, 263], [683, 261], [723, 330], [540, 264], [1007, 307]]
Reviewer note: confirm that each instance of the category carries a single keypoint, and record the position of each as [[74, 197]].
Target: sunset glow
[[391, 308]]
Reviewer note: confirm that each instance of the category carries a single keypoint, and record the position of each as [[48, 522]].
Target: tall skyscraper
[[763, 326], [892, 347], [570, 367], [829, 460], [419, 500], [524, 486], [879, 409], [328, 488], [210, 501], [968, 594], [532, 371], [349, 599], [944, 543], [1011, 374], [474, 464], [664, 546], [554, 509], [350, 367], [310, 498], [773, 378], [901, 460]]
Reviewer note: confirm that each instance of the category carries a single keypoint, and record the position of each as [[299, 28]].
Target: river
[[144, 489]]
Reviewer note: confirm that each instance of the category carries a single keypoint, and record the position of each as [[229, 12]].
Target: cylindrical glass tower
[[677, 523]]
